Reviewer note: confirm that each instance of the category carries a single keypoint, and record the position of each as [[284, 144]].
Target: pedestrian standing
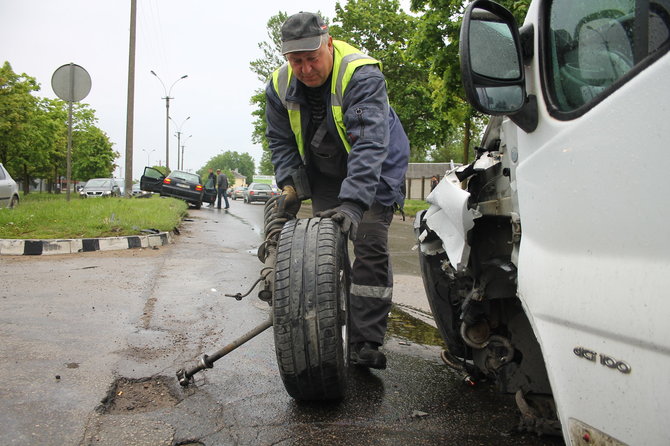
[[222, 187], [434, 181], [210, 185]]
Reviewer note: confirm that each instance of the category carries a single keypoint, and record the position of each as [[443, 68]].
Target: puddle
[[402, 325], [138, 395]]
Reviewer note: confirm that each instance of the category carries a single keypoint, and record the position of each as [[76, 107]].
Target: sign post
[[71, 83]]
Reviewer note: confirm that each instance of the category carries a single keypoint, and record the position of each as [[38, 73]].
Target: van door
[[593, 260]]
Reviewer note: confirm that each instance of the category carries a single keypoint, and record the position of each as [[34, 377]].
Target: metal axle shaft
[[207, 361]]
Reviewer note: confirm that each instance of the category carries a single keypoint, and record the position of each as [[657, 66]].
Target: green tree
[[263, 68], [92, 154], [18, 114], [436, 41], [229, 161], [33, 134], [383, 30], [47, 134]]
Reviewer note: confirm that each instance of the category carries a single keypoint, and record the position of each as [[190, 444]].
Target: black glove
[[348, 215], [287, 203]]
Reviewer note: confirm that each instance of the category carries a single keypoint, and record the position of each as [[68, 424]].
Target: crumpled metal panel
[[450, 218]]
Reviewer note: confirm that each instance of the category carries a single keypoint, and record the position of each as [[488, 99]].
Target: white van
[[564, 215]]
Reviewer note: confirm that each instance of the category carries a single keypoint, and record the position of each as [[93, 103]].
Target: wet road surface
[[91, 343]]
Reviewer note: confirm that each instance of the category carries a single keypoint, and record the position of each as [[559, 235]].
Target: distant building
[[240, 180], [417, 179]]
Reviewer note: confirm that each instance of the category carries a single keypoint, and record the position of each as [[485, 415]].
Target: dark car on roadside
[[177, 184], [258, 192]]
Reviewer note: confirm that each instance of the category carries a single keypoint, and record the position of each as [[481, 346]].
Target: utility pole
[[130, 111], [179, 132]]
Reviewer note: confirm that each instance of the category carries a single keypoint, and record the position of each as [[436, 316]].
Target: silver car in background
[[9, 191], [100, 187]]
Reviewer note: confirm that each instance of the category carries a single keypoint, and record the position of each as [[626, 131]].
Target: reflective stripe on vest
[[345, 61]]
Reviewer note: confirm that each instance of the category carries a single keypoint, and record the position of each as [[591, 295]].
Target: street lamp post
[[182, 152], [179, 165], [167, 115], [148, 152]]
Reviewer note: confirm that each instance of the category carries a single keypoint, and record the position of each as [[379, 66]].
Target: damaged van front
[[546, 260]]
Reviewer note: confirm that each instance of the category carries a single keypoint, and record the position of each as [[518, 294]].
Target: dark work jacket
[[377, 162], [222, 181]]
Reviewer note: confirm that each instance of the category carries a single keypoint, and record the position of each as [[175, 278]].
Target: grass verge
[[413, 206], [50, 216]]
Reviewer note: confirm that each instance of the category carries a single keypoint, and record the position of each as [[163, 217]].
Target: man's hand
[[288, 204], [348, 215]]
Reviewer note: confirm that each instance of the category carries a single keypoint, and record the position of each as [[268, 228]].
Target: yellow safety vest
[[345, 61]]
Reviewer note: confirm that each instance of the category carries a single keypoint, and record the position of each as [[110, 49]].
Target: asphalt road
[[91, 342]]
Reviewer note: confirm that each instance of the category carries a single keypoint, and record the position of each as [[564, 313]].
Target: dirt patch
[[148, 312], [138, 395]]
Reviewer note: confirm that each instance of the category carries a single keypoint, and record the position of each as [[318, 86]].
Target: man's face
[[312, 68]]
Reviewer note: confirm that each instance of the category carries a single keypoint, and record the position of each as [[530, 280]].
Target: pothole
[[138, 395]]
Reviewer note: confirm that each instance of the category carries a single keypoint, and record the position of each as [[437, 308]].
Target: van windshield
[[593, 44]]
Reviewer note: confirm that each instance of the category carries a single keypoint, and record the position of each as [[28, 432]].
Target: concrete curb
[[73, 246]]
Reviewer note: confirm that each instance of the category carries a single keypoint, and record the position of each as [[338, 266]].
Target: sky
[[210, 41]]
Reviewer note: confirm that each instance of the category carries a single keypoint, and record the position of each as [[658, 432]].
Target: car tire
[[197, 205], [13, 202], [310, 309]]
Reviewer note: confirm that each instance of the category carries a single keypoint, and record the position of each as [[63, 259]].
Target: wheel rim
[[344, 316], [344, 273]]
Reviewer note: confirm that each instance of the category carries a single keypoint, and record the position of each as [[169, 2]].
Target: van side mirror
[[491, 59]]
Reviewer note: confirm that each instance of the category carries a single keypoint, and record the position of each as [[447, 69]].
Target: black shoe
[[367, 354]]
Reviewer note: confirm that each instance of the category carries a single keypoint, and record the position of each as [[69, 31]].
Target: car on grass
[[9, 191], [238, 192], [101, 187], [186, 186], [258, 192]]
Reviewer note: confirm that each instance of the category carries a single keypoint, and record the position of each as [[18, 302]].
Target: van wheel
[[310, 309], [13, 202]]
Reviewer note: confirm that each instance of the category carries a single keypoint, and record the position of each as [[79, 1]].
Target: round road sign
[[71, 82]]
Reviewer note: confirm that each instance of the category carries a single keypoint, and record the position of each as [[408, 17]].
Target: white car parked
[[9, 191]]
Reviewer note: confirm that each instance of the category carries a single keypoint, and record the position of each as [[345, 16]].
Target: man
[[222, 186], [334, 137]]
